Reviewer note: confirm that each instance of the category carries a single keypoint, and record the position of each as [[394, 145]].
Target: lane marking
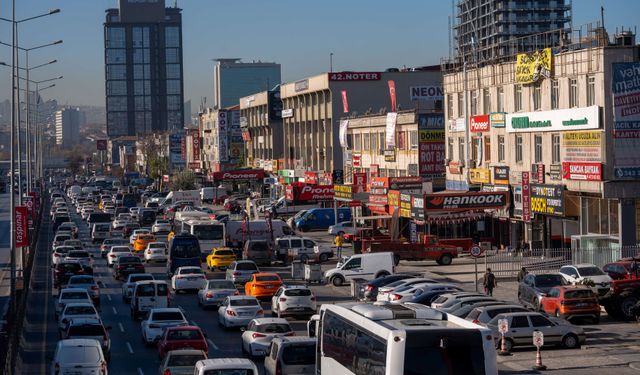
[[114, 310], [212, 344], [130, 348], [140, 371], [121, 327], [109, 297]]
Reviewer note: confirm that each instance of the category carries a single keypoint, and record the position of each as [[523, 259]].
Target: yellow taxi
[[142, 240], [220, 258]]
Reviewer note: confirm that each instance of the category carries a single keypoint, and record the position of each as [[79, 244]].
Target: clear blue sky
[[299, 34]]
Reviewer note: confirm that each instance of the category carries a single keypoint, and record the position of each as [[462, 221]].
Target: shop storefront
[[241, 180]]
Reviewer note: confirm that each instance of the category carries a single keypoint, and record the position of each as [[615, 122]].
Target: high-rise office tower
[[68, 123], [233, 79], [490, 29], [143, 68]]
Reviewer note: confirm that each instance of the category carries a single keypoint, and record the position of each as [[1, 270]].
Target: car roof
[[189, 268], [78, 342], [185, 352], [85, 321], [77, 304], [582, 265], [295, 340], [144, 282], [241, 297], [495, 307], [226, 363], [245, 261], [520, 313], [260, 321]]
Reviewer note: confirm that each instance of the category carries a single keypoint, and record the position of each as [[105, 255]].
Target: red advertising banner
[[355, 160], [288, 193], [314, 193], [360, 182], [311, 178], [345, 101], [246, 136], [540, 173], [22, 226], [479, 123], [195, 144], [355, 76], [374, 169], [379, 199], [431, 158], [101, 144], [239, 175], [392, 94], [582, 171], [526, 197], [183, 148]]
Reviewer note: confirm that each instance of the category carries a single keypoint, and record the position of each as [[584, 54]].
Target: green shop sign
[[525, 122]]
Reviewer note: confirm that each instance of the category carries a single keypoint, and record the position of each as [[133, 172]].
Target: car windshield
[[185, 249], [299, 354], [81, 280], [167, 315], [590, 271], [584, 293], [74, 295], [86, 330], [267, 278], [297, 292], [62, 238], [78, 254], [221, 284], [548, 280], [120, 249], [80, 310], [223, 252], [273, 328], [184, 334], [63, 249], [135, 278], [87, 354], [246, 267], [243, 302], [184, 360]]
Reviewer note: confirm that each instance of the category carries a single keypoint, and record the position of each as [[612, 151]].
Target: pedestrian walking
[[339, 241], [523, 272], [489, 282]]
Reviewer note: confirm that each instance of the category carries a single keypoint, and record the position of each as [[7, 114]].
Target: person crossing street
[[339, 241]]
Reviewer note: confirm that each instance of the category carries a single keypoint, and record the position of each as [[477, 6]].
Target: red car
[[621, 270], [571, 301], [175, 338]]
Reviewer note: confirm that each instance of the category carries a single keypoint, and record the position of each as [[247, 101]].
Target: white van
[[238, 231], [362, 266], [208, 194], [227, 365], [291, 356], [147, 295]]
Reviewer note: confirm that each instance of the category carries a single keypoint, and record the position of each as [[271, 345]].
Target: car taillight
[[166, 372], [56, 254], [475, 321], [112, 255], [94, 288], [368, 288], [395, 297], [231, 313], [313, 298], [209, 295], [255, 335], [260, 311], [282, 299]]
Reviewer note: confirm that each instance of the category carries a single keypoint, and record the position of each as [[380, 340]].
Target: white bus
[[210, 234], [409, 339]]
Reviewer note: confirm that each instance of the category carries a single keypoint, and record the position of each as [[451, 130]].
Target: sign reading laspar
[[531, 67]]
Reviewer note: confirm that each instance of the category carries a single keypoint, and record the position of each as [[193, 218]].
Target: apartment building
[[261, 126]]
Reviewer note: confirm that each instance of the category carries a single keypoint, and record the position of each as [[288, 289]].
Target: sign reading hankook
[[547, 199], [466, 201]]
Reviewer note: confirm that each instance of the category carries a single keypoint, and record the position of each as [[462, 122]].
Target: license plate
[[269, 287], [582, 304]]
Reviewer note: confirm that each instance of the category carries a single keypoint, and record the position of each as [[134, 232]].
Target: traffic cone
[[539, 366], [503, 347]]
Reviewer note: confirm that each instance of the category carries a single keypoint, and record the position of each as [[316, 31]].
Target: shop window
[[450, 149], [366, 142], [538, 148], [461, 148], [450, 106], [518, 148], [474, 102], [486, 101], [487, 149], [476, 146], [402, 141], [555, 149], [537, 98], [357, 142], [501, 148], [555, 93], [381, 143], [460, 104]]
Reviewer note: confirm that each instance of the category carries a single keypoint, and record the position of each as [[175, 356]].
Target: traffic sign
[[538, 338], [475, 251], [503, 326]]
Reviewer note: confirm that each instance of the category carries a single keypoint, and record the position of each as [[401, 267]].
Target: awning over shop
[[454, 218]]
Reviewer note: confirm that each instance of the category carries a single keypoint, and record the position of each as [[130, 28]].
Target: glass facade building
[[143, 68]]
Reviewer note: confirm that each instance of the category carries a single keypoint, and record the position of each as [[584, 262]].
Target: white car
[[59, 239], [75, 243], [88, 283], [59, 253], [124, 216], [293, 300], [385, 291], [578, 273], [132, 279], [85, 212], [257, 337], [71, 295], [238, 311], [135, 234], [156, 252], [342, 228], [158, 320], [188, 278], [225, 366], [81, 256], [79, 356], [76, 310], [117, 251], [161, 226], [118, 224], [109, 209]]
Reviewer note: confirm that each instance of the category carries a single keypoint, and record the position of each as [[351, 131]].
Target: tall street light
[[27, 68], [14, 93]]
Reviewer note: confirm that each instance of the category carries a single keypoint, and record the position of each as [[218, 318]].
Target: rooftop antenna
[[175, 3], [602, 16]]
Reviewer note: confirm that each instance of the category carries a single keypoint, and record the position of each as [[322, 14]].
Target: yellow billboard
[[480, 176], [531, 67]]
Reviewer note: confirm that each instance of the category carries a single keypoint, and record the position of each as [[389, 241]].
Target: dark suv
[[126, 265], [533, 287], [65, 269]]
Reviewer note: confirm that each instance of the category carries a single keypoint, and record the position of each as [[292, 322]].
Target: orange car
[[262, 284], [142, 241], [571, 301]]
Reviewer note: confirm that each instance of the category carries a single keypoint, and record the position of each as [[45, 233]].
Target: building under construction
[[483, 28]]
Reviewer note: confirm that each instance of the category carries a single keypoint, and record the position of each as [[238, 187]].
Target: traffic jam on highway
[[212, 281]]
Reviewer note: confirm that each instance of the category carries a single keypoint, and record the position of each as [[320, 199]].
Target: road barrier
[[507, 264]]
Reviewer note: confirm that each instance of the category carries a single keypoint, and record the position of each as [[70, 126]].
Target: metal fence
[[507, 264]]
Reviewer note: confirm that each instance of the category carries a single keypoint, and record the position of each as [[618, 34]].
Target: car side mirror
[[574, 275], [242, 329]]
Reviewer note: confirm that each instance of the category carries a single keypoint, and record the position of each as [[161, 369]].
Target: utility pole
[[331, 62], [14, 74]]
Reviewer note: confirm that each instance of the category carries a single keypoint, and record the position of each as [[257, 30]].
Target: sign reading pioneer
[[467, 201]]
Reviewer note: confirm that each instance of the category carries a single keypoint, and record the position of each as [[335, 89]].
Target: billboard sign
[[547, 199], [479, 123], [501, 175], [497, 119], [626, 124], [534, 66], [582, 147], [405, 205], [526, 196], [223, 141], [353, 76], [467, 201], [239, 175], [585, 118], [21, 226], [479, 176], [426, 92], [315, 193], [390, 130], [417, 206], [431, 147], [582, 171]]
